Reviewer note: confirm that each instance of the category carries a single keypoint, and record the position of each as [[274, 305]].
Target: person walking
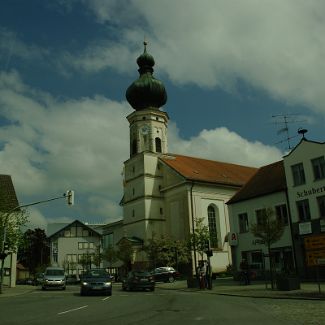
[[245, 271]]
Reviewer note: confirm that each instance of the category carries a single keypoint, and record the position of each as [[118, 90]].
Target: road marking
[[106, 298], [70, 310]]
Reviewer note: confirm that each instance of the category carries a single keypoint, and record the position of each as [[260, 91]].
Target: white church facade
[[164, 193]]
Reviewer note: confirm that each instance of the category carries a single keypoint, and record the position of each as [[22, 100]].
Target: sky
[[234, 72]]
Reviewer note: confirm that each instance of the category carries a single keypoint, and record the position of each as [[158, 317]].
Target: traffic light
[[70, 197]]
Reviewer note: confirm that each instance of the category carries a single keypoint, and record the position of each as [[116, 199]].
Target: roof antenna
[[302, 131]]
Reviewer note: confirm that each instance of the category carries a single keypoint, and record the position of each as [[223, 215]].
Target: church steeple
[[147, 91], [148, 125]]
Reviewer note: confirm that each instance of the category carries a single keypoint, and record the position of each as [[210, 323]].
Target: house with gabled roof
[[70, 243], [295, 189], [266, 189]]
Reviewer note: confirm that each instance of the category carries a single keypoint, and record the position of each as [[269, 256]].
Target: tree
[[165, 251], [10, 233], [97, 256], [199, 237], [110, 255], [125, 253], [270, 230], [34, 250], [85, 261]]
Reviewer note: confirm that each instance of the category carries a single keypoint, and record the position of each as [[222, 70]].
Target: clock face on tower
[[145, 129]]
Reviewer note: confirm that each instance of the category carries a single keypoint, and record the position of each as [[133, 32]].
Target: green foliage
[[199, 237], [34, 250], [165, 251], [270, 230], [97, 256], [125, 252], [10, 224], [85, 261], [110, 255]]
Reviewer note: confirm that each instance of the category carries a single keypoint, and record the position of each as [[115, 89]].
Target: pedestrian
[[202, 274], [245, 271]]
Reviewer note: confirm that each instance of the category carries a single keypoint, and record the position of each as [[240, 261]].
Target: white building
[[295, 189], [305, 177], [164, 193], [71, 243]]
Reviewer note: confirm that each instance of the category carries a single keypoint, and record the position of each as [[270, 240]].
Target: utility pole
[[69, 195]]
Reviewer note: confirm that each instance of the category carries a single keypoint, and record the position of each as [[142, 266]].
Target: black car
[[96, 281], [165, 274], [138, 280]]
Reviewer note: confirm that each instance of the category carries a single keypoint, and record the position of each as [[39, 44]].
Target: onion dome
[[146, 91]]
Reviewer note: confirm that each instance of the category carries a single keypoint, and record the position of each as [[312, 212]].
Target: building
[[164, 193], [266, 189], [295, 189], [8, 202], [74, 245], [305, 177]]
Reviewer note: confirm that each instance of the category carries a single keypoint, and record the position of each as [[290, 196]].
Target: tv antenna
[[283, 120]]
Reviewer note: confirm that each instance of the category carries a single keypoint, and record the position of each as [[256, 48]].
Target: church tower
[[143, 202]]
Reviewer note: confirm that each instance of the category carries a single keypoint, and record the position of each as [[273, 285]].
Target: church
[[165, 193]]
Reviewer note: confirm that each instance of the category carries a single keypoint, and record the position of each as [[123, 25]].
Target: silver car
[[54, 277]]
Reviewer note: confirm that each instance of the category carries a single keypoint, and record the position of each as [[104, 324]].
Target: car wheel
[[109, 293], [82, 293], [43, 288], [152, 289], [171, 279], [63, 288]]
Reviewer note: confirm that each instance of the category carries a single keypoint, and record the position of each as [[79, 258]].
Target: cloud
[[223, 145], [277, 46], [51, 146]]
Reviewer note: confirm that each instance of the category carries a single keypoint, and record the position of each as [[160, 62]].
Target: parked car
[[54, 277], [136, 280], [96, 281], [165, 274]]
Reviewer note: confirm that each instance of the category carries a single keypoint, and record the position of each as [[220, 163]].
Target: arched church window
[[158, 144], [134, 147], [212, 221]]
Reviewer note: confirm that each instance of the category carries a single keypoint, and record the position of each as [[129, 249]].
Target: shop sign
[[315, 242], [305, 228], [313, 257]]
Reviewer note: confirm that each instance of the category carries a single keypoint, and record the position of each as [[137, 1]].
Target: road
[[158, 307]]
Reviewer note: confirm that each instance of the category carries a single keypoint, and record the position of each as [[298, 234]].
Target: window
[[161, 211], [321, 206], [85, 245], [134, 147], [212, 227], [319, 167], [108, 240], [303, 210], [298, 174], [243, 222], [282, 213], [158, 144], [260, 217], [71, 257]]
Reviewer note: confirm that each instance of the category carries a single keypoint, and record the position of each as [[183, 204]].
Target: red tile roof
[[210, 171], [267, 180]]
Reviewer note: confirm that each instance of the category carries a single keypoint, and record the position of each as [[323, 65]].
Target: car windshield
[[54, 272], [96, 273]]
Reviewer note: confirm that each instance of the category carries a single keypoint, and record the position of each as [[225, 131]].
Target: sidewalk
[[17, 290], [227, 286]]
